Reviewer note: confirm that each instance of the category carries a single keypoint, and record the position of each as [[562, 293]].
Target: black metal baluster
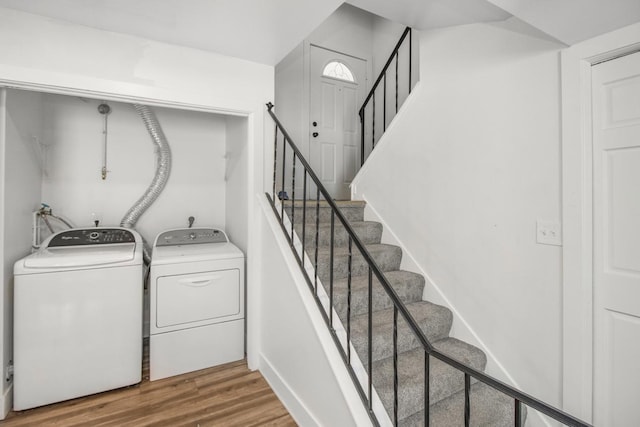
[[370, 346], [349, 303], [427, 388], [331, 269], [315, 265], [293, 196], [275, 164], [467, 403], [397, 58], [373, 121], [284, 163], [410, 57], [395, 365], [304, 214], [384, 103], [517, 422], [362, 113]]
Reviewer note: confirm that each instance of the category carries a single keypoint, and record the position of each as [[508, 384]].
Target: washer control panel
[[191, 236], [92, 236]]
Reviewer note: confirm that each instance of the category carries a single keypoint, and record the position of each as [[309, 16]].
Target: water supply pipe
[[163, 168]]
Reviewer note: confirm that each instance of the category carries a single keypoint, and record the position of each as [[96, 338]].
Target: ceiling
[[265, 31], [572, 21]]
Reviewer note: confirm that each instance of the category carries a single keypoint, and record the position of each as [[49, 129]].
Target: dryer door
[[194, 298]]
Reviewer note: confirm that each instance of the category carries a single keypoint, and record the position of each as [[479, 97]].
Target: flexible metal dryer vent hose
[[163, 168]]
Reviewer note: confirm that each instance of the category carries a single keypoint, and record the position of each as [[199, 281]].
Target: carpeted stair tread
[[408, 286], [387, 257], [444, 379], [489, 408], [352, 210], [434, 320], [368, 231], [298, 203]]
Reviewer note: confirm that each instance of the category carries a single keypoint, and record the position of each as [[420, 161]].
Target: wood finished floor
[[227, 395]]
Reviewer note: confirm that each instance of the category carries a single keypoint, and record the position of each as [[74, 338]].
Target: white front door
[[616, 244], [337, 85]]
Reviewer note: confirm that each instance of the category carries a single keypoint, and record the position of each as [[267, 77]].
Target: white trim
[[305, 143], [7, 396], [113, 96], [7, 402], [577, 211], [294, 404]]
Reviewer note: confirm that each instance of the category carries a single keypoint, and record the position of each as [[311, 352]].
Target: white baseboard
[[7, 401], [287, 396]]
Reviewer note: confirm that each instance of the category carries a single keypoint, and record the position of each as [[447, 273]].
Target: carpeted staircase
[[488, 407]]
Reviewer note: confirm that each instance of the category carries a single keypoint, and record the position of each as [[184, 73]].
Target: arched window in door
[[338, 70]]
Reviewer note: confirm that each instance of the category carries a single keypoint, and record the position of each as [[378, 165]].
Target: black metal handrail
[[382, 77], [399, 307]]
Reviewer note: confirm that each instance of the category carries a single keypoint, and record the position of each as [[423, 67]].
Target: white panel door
[[335, 126], [616, 233]]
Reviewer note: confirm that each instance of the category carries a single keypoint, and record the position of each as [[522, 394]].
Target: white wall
[[60, 57], [298, 356], [355, 32], [386, 35], [347, 30], [236, 179], [20, 181], [73, 186], [461, 178]]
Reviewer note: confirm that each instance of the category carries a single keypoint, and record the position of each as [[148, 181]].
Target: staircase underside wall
[[297, 355], [462, 176]]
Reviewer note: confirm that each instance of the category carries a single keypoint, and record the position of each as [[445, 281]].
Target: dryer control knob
[[94, 235], [192, 236]]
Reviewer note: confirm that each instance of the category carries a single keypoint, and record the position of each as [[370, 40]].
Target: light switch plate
[[548, 232]]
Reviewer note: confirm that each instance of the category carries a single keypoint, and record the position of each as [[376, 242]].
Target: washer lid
[[84, 256]]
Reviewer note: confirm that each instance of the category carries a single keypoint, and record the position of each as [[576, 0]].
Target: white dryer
[[196, 302], [78, 316]]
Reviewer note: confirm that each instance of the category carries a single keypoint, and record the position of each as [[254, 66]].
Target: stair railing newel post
[[374, 270]]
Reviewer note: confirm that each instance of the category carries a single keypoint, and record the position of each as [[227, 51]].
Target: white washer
[[196, 302], [78, 316]]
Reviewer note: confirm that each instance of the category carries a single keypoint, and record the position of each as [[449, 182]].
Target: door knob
[[315, 134]]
